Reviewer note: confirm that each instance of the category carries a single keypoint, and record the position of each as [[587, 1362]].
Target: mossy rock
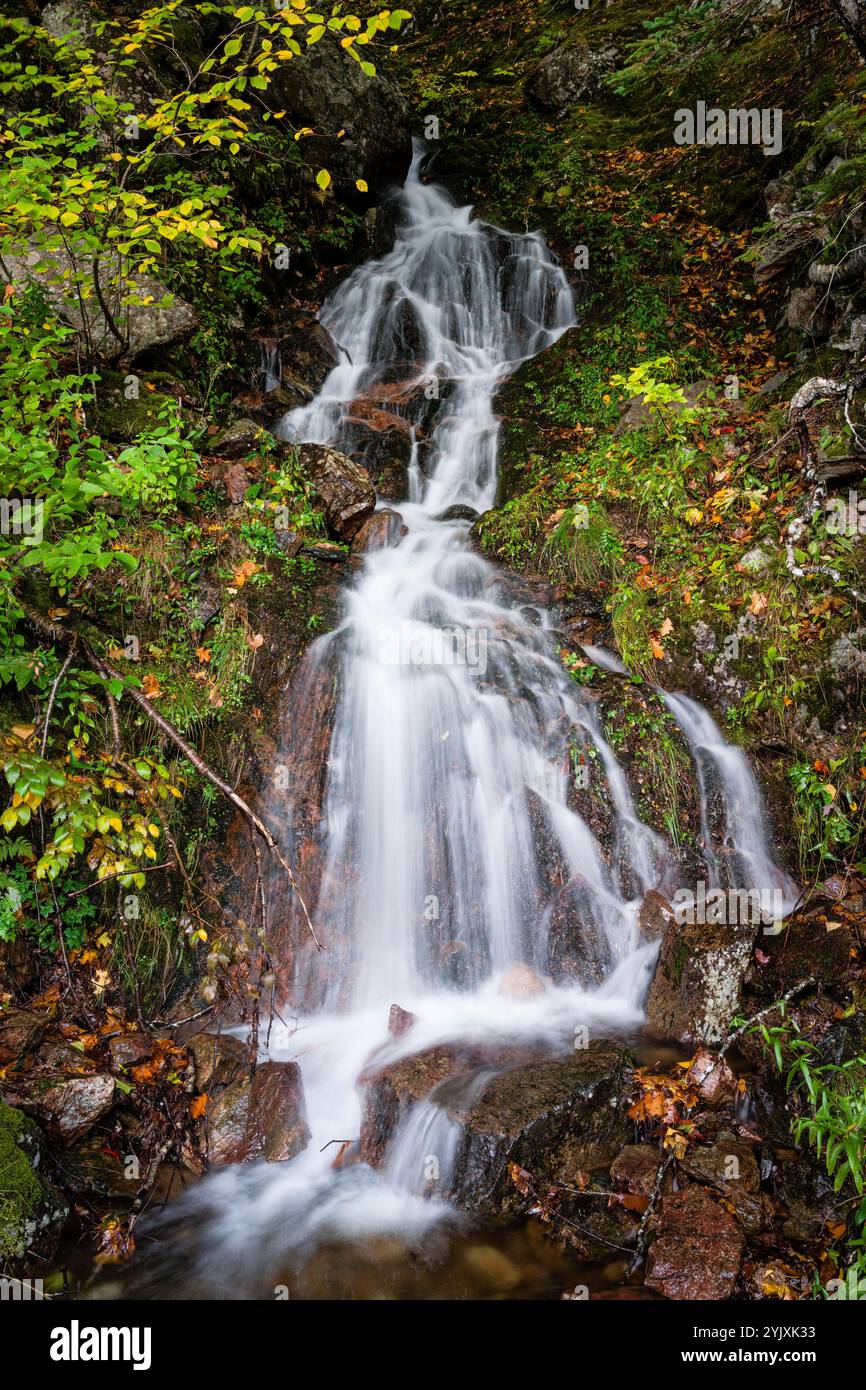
[[122, 417], [31, 1211]]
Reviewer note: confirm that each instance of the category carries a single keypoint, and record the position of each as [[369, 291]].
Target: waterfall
[[733, 820], [451, 832], [270, 369]]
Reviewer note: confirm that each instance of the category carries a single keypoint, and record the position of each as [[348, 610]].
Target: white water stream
[[430, 845]]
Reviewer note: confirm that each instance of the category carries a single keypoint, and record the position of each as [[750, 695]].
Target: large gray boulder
[[570, 75], [158, 321], [326, 89]]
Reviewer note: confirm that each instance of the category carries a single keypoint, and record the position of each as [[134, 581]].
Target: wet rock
[[98, 1166], [697, 1251], [553, 1118], [399, 1021], [129, 1049], [577, 948], [655, 916], [635, 1169], [236, 441], [552, 868], [805, 1192], [71, 1108], [728, 1164], [307, 351], [20, 1032], [698, 981], [165, 320], [570, 75], [459, 511], [220, 1060], [31, 1211], [392, 1090], [343, 488], [520, 982], [803, 949], [381, 530], [326, 89], [259, 1118], [712, 1077]]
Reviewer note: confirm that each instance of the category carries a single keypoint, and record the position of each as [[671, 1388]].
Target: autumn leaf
[[254, 642], [151, 687], [203, 654], [657, 649], [666, 628], [758, 604], [198, 1105]]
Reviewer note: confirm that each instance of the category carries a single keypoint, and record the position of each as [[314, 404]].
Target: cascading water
[[449, 765], [736, 848]]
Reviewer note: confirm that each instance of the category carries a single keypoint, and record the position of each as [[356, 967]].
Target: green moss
[[22, 1192]]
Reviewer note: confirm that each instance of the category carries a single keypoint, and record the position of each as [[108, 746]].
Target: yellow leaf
[[361, 185], [323, 179]]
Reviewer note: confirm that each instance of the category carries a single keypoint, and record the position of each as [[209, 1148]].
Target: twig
[[642, 1230], [53, 695], [771, 1008], [98, 882]]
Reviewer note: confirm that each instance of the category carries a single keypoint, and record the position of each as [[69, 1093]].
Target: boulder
[[259, 1118], [391, 1091], [570, 75], [635, 1169], [238, 440], [698, 981], [711, 1077], [325, 88], [554, 1118], [20, 1032], [382, 529], [806, 312], [342, 487], [520, 982], [728, 1164], [220, 1060], [73, 1107], [159, 321], [697, 1250], [795, 236]]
